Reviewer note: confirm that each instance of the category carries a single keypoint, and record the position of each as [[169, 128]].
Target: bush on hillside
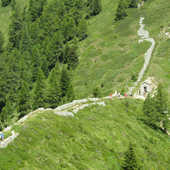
[[5, 2], [96, 92]]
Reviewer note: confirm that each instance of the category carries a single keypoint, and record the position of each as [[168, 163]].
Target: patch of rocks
[[65, 106], [64, 113]]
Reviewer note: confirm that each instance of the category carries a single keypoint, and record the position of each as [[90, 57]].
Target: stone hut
[[146, 86]]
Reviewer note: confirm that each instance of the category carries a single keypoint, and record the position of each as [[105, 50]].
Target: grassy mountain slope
[[111, 53], [96, 138]]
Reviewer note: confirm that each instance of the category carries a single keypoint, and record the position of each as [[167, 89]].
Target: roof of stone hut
[[147, 81]]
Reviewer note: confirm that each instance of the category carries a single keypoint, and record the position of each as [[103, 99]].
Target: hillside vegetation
[[96, 138], [111, 54]]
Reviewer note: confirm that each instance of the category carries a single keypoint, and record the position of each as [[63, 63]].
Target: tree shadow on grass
[[153, 126]]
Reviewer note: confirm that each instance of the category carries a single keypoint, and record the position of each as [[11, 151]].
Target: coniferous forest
[[41, 50]]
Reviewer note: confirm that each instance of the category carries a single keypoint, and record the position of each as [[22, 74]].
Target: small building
[[146, 86]]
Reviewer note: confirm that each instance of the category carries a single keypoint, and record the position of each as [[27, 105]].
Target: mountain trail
[[144, 34]]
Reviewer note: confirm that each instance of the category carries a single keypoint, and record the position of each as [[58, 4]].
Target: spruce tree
[[38, 96], [35, 62], [61, 10], [34, 31], [44, 67], [133, 4], [15, 29], [23, 99], [97, 7], [72, 58], [1, 42], [53, 94], [6, 111], [161, 105], [75, 42], [25, 44], [151, 112], [13, 3], [11, 96], [71, 28], [121, 10], [55, 49], [5, 2], [64, 82], [130, 160], [70, 93], [66, 52], [82, 29]]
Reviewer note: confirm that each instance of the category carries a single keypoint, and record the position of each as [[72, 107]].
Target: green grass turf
[[96, 139]]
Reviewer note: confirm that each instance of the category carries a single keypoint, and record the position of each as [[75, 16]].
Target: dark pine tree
[[82, 29], [23, 100], [38, 96], [53, 94], [1, 42], [44, 67], [72, 58], [161, 105], [25, 44], [34, 32], [121, 10], [130, 160], [66, 52], [35, 62], [133, 3], [151, 112], [13, 3], [97, 7], [55, 49], [5, 2], [71, 28], [70, 93], [64, 82], [6, 111], [15, 30]]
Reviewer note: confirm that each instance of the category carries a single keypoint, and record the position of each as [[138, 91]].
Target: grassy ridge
[[96, 138]]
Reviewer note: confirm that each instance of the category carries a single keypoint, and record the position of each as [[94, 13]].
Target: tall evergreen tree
[[53, 95], [72, 28], [72, 58], [97, 7], [38, 96], [25, 44], [151, 112], [66, 52], [82, 29], [23, 101], [35, 8], [55, 49], [61, 11], [1, 42], [5, 2], [35, 62], [15, 29], [121, 10], [34, 31], [133, 3], [13, 3], [70, 93], [6, 111], [161, 105], [130, 161], [44, 67], [64, 82]]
